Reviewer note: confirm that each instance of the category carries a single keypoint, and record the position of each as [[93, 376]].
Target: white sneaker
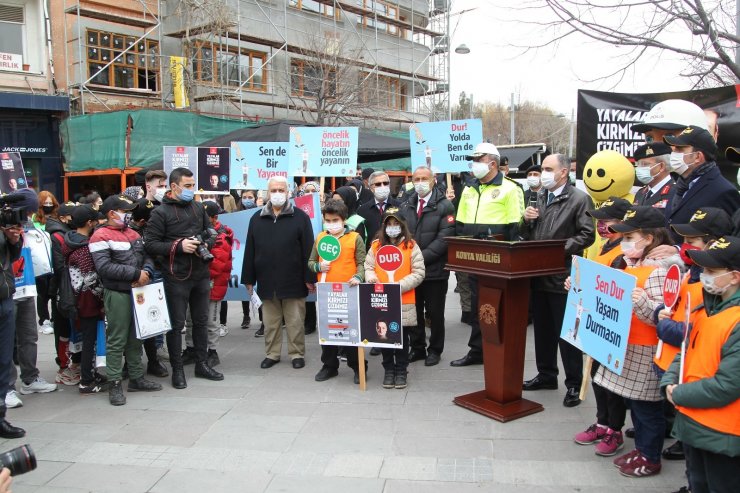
[[222, 330], [12, 400], [46, 327], [39, 386], [68, 376]]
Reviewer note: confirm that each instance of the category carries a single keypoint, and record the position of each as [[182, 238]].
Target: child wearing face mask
[[348, 267], [643, 230], [611, 411], [394, 231], [707, 393]]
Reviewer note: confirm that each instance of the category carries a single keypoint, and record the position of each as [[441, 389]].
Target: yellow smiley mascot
[[607, 174]]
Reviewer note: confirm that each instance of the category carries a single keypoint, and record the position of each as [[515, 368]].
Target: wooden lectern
[[503, 269]]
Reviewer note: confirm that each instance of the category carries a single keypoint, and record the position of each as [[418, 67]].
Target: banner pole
[[586, 377], [361, 367]]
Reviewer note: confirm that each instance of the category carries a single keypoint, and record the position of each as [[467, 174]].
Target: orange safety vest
[[703, 354], [344, 267], [641, 334], [608, 257], [669, 352], [409, 297]]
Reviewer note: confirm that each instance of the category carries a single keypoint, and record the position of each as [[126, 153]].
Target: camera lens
[[19, 460]]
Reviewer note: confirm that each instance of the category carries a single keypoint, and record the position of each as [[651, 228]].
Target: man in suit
[[534, 183], [652, 167], [700, 183], [372, 210]]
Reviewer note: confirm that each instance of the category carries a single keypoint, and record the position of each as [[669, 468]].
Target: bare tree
[[330, 85], [707, 28]]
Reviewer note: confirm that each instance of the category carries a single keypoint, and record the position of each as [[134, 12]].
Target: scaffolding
[[258, 51]]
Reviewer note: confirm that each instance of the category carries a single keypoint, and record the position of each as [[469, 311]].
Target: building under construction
[[372, 63]]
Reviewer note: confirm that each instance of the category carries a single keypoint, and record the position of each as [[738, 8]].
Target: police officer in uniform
[[491, 205], [652, 167]]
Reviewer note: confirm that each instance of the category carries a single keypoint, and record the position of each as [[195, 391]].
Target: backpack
[[66, 298]]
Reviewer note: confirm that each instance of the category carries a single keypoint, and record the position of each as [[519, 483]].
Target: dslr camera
[[202, 250], [11, 216], [19, 460]]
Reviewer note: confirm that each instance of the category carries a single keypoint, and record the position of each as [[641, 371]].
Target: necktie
[[381, 206], [550, 197], [648, 195], [421, 207]]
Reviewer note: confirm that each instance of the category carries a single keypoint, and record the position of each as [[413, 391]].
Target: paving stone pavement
[[278, 430]]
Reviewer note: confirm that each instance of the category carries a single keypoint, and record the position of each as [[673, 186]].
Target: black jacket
[[710, 190], [437, 221], [172, 221], [277, 251], [565, 218], [372, 216], [8, 254], [57, 258]]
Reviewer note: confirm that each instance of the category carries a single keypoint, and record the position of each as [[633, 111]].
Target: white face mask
[[533, 181], [480, 170], [548, 179], [278, 199], [572, 177], [393, 231], [334, 227], [644, 174], [382, 193], [630, 250], [677, 163], [422, 188], [708, 281], [159, 194]]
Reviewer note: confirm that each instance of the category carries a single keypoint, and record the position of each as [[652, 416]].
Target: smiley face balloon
[[608, 174]]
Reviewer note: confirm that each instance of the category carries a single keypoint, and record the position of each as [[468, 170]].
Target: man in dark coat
[[276, 256], [700, 182], [372, 210], [652, 167], [430, 218]]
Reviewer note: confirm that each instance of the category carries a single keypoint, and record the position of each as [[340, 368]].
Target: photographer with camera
[[177, 237], [10, 251], [118, 253]]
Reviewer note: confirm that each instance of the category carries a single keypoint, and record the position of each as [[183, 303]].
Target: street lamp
[[460, 50]]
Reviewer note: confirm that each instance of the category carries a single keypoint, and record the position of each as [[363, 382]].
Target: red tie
[[421, 208], [380, 207]]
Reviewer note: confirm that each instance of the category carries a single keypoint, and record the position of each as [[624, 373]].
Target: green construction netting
[[98, 141], [398, 164]]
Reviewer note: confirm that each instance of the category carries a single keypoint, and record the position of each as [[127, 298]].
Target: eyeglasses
[[381, 183]]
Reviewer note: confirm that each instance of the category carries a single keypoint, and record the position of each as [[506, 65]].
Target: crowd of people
[[88, 256]]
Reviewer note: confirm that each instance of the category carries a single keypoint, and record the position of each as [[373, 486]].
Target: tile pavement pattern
[[279, 431]]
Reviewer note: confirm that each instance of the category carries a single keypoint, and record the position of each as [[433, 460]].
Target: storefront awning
[[20, 101]]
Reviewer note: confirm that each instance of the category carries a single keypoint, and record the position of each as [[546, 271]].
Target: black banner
[[605, 118]]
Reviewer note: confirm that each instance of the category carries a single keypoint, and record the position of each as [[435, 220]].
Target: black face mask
[[48, 209]]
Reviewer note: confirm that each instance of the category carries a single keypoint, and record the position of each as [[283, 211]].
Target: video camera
[[19, 460], [202, 249], [11, 216]]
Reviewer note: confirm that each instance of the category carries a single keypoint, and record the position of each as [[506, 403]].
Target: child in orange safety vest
[[706, 225], [394, 231], [348, 267], [705, 386]]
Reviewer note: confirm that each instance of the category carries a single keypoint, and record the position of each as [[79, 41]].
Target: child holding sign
[[348, 266], [643, 229], [394, 231], [708, 396]]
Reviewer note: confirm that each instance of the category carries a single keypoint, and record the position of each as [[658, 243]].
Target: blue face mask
[[248, 203], [187, 195]]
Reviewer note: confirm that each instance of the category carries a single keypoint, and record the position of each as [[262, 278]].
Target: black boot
[[188, 356], [178, 377], [202, 370], [389, 380], [141, 384], [157, 369], [6, 429], [212, 359], [115, 394]]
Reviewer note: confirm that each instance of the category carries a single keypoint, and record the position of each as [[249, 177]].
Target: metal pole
[[449, 62], [570, 139], [737, 31], [513, 120]]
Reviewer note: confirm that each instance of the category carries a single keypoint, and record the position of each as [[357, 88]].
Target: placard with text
[[213, 169], [253, 163], [443, 146], [337, 314], [12, 174], [180, 157], [598, 313], [323, 151]]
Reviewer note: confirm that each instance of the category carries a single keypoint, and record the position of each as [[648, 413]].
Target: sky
[[552, 75]]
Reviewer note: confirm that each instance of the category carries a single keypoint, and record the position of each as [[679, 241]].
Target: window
[[11, 29], [314, 6], [383, 9], [308, 79], [229, 67], [137, 68], [384, 91]]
